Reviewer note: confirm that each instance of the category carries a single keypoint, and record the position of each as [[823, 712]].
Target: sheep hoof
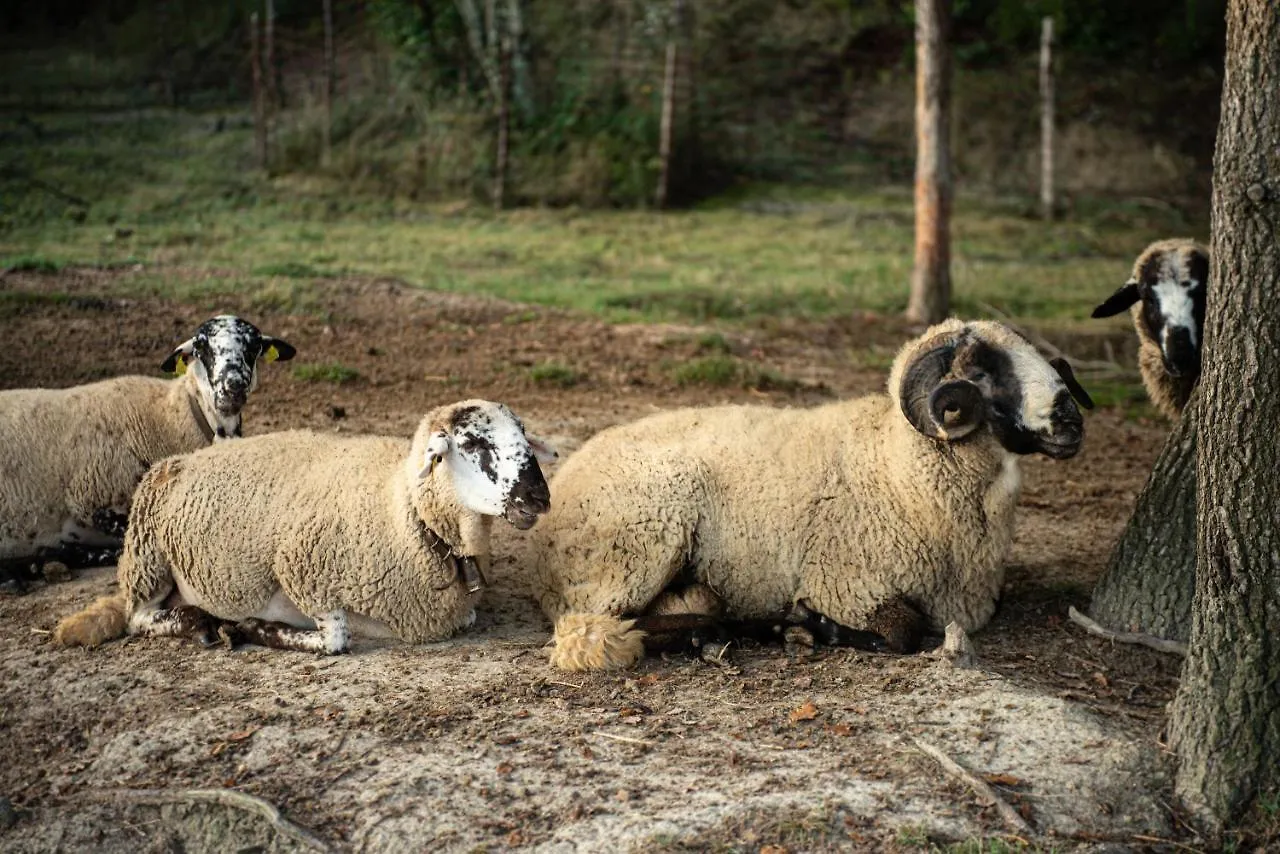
[[798, 641], [13, 587], [55, 571], [716, 652]]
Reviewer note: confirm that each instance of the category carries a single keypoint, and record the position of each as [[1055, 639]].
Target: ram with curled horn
[[877, 518]]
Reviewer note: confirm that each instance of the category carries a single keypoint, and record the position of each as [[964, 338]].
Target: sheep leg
[[151, 620], [331, 635], [895, 625]]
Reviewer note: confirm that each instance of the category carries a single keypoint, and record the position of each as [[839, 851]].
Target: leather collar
[[463, 565]]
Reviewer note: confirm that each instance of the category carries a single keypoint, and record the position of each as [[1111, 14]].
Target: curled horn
[[941, 410], [1073, 385]]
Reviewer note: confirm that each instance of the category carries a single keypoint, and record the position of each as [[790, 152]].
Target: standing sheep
[[1167, 295], [326, 535], [73, 456], [849, 510]]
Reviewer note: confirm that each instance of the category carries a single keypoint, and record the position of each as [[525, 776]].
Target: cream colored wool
[[70, 452], [329, 523], [844, 506]]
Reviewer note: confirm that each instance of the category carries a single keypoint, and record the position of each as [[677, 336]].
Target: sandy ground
[[477, 743]]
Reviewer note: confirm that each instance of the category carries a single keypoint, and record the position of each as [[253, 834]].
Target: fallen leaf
[[840, 729], [1102, 680], [773, 849], [1002, 779], [504, 769], [648, 679], [242, 734], [806, 712]]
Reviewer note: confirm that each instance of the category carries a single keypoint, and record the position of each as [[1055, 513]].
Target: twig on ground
[[226, 797], [565, 684], [1012, 819], [1151, 641], [625, 738]]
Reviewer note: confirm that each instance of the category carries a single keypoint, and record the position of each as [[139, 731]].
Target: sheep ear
[[1123, 298], [276, 349], [542, 451], [1063, 367], [437, 446], [177, 361]]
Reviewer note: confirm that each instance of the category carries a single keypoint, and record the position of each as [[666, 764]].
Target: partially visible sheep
[[852, 510], [1167, 295], [73, 456], [327, 535]]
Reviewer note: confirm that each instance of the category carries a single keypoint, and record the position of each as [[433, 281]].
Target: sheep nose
[[1181, 357], [232, 394], [531, 494]]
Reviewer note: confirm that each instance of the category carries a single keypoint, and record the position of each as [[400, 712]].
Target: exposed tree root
[[1158, 644]]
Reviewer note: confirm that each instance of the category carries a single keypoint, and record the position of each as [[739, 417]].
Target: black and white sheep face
[[1170, 284], [493, 464], [223, 357], [960, 377]]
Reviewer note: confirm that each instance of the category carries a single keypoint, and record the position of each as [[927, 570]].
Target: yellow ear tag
[[180, 367], [434, 462], [272, 353]]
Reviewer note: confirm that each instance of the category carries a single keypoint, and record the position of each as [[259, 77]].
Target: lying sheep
[[848, 509], [306, 538], [1167, 295], [73, 456]]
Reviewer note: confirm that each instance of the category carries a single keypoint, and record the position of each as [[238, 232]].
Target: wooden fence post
[[259, 119], [1046, 119], [326, 140], [667, 129], [504, 124]]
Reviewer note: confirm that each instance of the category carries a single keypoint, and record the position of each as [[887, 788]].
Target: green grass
[[175, 189], [555, 374], [722, 371], [333, 372], [31, 264]]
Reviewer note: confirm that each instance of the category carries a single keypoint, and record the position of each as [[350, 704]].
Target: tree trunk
[[931, 278], [1046, 118], [326, 140], [1151, 577], [1225, 723]]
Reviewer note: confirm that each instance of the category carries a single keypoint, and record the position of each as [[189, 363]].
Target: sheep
[[303, 538], [1167, 295], [73, 456], [851, 510]]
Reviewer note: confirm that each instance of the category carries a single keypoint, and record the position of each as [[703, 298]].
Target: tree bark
[[327, 131], [1225, 723], [1151, 577], [1046, 119], [931, 279]]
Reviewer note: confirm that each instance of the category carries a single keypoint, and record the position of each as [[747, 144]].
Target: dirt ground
[[477, 743]]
